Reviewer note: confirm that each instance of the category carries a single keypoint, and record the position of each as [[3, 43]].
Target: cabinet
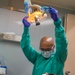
[[70, 32]]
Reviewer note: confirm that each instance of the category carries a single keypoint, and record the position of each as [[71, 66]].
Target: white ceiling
[[18, 4]]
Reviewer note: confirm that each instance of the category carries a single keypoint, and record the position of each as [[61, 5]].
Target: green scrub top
[[52, 65]]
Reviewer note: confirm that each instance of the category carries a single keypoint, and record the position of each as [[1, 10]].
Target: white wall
[[10, 52]]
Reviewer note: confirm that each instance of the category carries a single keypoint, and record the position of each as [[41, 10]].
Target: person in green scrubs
[[49, 61]]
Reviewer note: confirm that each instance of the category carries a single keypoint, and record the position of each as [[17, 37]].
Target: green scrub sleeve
[[61, 41], [27, 49]]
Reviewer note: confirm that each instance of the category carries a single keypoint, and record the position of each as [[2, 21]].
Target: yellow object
[[35, 14], [32, 16]]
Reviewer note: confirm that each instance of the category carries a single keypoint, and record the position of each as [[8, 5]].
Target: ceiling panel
[[18, 4], [67, 4], [4, 3]]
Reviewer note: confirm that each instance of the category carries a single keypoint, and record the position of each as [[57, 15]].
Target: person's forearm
[[27, 49], [61, 41], [25, 41], [59, 31]]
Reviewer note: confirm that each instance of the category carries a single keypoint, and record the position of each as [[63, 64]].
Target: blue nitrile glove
[[54, 13], [25, 22]]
